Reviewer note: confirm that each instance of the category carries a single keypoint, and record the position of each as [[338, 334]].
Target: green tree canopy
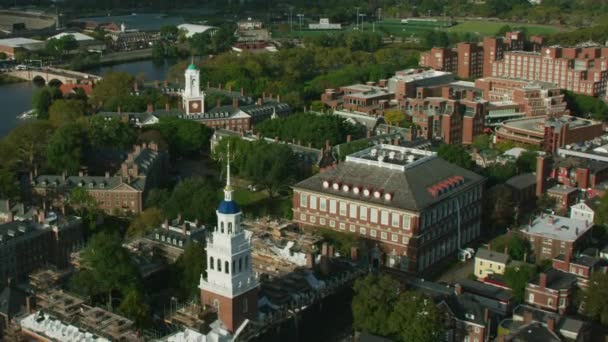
[[596, 298], [63, 112], [193, 198], [109, 267], [25, 147], [41, 101], [456, 154], [518, 277], [185, 137], [373, 303], [310, 128], [145, 222], [114, 90], [526, 162], [113, 133], [66, 147], [415, 317], [187, 270]]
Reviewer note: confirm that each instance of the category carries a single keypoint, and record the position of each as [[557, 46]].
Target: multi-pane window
[[313, 202], [303, 200], [342, 208], [322, 204], [363, 213], [332, 206], [394, 219], [352, 210], [374, 215], [384, 217]]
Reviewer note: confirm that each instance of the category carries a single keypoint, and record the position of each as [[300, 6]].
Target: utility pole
[[300, 15], [357, 19]]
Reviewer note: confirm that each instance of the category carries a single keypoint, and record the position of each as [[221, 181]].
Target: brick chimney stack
[[150, 108], [542, 280], [235, 103]]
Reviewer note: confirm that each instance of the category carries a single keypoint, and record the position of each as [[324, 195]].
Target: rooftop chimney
[[542, 280], [150, 108], [235, 103]]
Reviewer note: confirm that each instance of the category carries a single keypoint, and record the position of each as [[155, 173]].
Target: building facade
[[552, 291], [415, 207], [548, 133], [230, 286], [145, 167], [552, 235]]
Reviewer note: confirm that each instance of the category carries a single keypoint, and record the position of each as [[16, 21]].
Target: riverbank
[[125, 56], [7, 79]]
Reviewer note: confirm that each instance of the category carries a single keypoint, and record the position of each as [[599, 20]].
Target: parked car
[[21, 67]]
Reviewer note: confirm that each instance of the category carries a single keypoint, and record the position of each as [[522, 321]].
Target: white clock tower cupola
[[231, 286], [192, 96]]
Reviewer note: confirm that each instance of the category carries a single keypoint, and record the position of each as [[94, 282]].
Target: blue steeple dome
[[228, 206]]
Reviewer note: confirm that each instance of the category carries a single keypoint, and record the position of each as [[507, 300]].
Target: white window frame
[[303, 200], [313, 202], [374, 215]]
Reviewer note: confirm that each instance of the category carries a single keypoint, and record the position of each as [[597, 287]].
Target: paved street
[[458, 271]]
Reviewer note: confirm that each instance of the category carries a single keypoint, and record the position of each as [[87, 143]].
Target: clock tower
[[193, 98], [231, 286]]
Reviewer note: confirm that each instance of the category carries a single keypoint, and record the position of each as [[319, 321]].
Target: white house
[[584, 210]]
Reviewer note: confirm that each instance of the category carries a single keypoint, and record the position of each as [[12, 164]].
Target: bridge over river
[[52, 75]]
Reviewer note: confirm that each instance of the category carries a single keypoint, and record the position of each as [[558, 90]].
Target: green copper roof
[[192, 66]]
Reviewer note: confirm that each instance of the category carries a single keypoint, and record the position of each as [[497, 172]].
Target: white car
[[21, 67]]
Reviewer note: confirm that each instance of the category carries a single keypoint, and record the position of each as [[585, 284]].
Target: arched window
[[240, 264], [211, 265], [226, 267], [229, 227], [233, 266], [219, 265], [222, 226]]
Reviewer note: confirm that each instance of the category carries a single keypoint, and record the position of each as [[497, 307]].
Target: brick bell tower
[[193, 98], [230, 286]]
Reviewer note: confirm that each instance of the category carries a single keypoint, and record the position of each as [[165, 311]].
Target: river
[[16, 98]]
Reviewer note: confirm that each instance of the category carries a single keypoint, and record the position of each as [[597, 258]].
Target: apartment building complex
[[411, 204], [531, 98], [582, 70], [548, 133], [453, 113], [472, 60], [552, 235]]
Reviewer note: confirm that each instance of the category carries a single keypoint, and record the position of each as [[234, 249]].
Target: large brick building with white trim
[[414, 205]]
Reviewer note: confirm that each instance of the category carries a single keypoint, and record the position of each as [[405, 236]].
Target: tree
[[373, 302], [25, 147], [499, 174], [63, 112], [481, 142], [9, 185], [169, 32], [193, 198], [187, 270], [145, 222], [596, 297], [185, 137], [109, 266], [394, 117], [41, 101], [61, 46], [415, 317], [114, 90], [134, 307], [601, 214], [518, 277], [200, 44], [526, 162], [113, 132], [456, 154], [517, 247], [66, 147], [82, 201]]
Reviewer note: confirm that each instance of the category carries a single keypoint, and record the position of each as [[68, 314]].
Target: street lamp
[[300, 16], [357, 18], [361, 20]]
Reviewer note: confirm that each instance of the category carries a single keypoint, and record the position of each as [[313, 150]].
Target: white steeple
[[192, 96], [228, 189]]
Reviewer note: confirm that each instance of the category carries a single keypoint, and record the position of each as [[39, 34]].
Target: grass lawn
[[257, 204], [491, 27]]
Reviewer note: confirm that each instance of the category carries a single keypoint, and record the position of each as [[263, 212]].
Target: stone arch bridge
[[49, 75]]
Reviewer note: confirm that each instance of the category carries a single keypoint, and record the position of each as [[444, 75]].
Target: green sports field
[[491, 27], [396, 28]]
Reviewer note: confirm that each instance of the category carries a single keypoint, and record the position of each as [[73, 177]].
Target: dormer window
[[336, 186], [325, 184]]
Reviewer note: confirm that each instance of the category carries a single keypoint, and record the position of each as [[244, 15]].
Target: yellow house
[[490, 262]]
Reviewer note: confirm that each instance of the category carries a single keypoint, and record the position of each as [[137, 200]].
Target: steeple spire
[[228, 188]]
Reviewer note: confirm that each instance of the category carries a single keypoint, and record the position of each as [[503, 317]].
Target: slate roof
[[533, 332], [89, 182], [522, 181], [466, 307], [486, 290], [485, 254], [409, 188], [557, 280], [583, 260]]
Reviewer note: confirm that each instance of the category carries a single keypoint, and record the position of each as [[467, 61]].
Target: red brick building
[[145, 167], [582, 70], [453, 113], [571, 171], [404, 201], [552, 235], [548, 133], [581, 266], [552, 291], [533, 98]]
